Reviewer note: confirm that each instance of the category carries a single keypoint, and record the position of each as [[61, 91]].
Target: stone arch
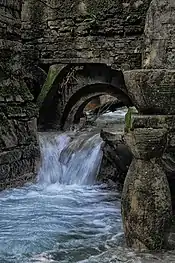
[[75, 106], [74, 86]]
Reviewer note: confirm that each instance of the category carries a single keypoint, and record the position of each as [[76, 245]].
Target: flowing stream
[[65, 217]]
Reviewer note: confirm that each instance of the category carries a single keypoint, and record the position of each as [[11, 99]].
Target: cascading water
[[64, 217], [70, 162]]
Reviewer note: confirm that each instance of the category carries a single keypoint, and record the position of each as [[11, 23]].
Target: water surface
[[65, 217]]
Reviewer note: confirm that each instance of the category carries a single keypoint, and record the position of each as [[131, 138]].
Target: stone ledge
[[16, 154], [147, 143], [151, 91], [11, 89], [153, 121], [18, 181], [112, 135], [10, 156]]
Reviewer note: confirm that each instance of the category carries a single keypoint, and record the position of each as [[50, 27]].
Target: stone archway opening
[[102, 104], [73, 87], [76, 105]]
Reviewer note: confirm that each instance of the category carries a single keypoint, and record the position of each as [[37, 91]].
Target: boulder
[[116, 157]]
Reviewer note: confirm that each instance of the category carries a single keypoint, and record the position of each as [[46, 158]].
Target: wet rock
[[124, 255], [10, 156], [8, 136], [116, 157]]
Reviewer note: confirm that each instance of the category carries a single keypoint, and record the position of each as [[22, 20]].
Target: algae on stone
[[54, 70], [128, 118]]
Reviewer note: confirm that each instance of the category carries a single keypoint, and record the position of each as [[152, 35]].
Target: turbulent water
[[66, 217]]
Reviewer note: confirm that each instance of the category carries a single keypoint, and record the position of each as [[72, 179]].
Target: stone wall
[[98, 31], [160, 39], [19, 150]]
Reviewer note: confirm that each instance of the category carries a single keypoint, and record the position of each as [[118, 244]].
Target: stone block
[[26, 131], [31, 151], [21, 167], [159, 33], [32, 130], [146, 206], [8, 136], [146, 143], [9, 157], [12, 88], [17, 182], [153, 121], [31, 110], [152, 91], [4, 171], [15, 112]]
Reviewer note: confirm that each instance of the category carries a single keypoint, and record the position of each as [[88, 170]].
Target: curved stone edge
[[54, 71], [151, 91], [146, 197]]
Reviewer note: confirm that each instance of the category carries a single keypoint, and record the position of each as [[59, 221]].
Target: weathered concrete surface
[[146, 199], [19, 151], [89, 31], [146, 206], [159, 49], [152, 91]]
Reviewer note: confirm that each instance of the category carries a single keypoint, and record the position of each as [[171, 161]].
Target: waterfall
[[65, 217], [69, 161]]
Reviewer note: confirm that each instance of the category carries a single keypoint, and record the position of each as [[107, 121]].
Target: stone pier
[[146, 198]]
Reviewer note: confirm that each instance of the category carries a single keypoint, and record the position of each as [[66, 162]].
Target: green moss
[[128, 120], [54, 70]]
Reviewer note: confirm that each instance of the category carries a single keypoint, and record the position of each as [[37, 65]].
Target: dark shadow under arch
[[70, 92], [75, 105], [81, 108]]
